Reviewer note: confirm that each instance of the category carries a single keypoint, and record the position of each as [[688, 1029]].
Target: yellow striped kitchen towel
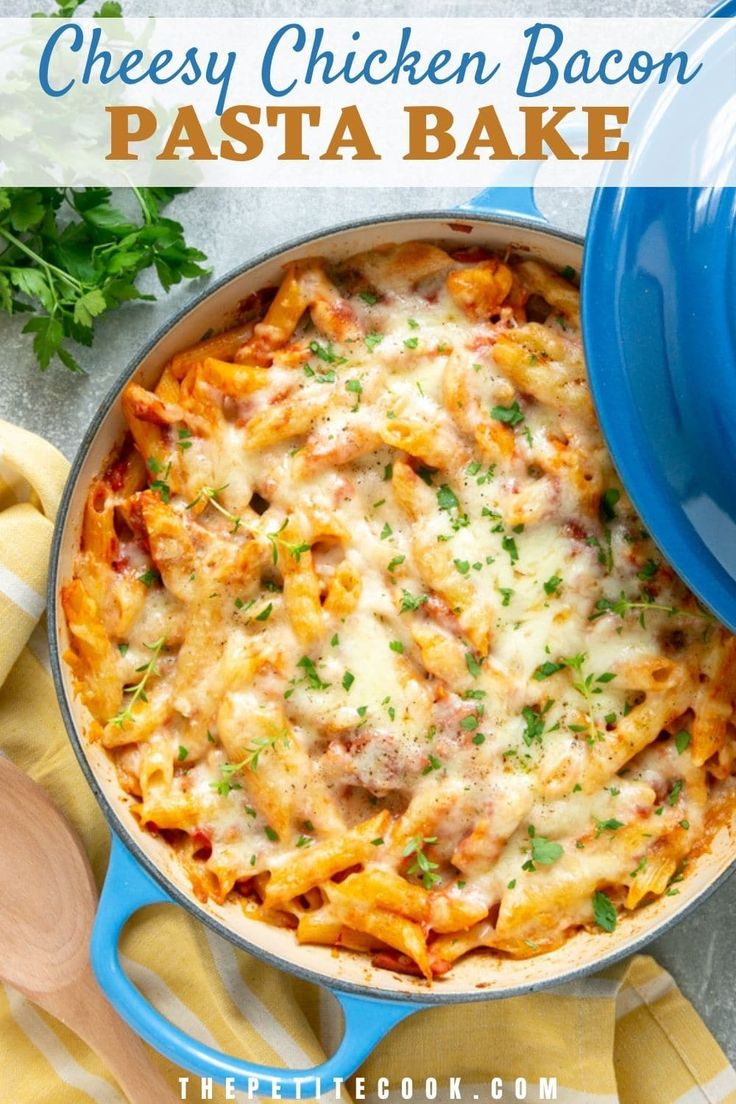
[[625, 1035]]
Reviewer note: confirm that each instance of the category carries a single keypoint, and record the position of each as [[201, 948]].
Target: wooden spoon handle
[[84, 1008]]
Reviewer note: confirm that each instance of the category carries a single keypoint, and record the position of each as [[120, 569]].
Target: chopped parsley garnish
[[447, 499], [544, 851], [386, 531], [209, 494], [587, 686], [310, 673], [356, 388], [604, 911], [325, 353], [396, 646], [568, 272], [507, 594], [272, 835], [347, 680], [265, 613], [182, 753], [472, 664], [609, 500], [252, 756], [647, 573], [479, 739], [224, 786], [641, 865], [623, 605], [509, 415], [148, 578], [372, 340], [682, 740], [368, 297], [160, 485], [552, 585], [534, 722], [462, 566], [605, 555], [546, 670], [412, 323], [394, 563], [410, 602], [274, 539], [378, 842], [610, 825], [184, 439], [675, 792], [123, 649], [138, 690], [421, 864], [388, 472], [411, 342], [433, 764], [509, 545]]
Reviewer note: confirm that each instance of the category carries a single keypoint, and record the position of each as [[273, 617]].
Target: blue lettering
[[270, 54], [190, 58], [534, 34], [222, 78], [327, 58], [48, 50], [104, 57], [160, 61], [380, 56]]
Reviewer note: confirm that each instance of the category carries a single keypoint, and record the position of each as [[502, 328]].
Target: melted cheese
[[495, 765]]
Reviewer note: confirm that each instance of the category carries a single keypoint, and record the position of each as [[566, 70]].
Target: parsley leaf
[[609, 499], [409, 602], [71, 256], [446, 498], [546, 670], [604, 911], [509, 415], [545, 851], [472, 664], [682, 740]]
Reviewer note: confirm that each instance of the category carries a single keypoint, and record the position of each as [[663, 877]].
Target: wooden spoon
[[48, 905]]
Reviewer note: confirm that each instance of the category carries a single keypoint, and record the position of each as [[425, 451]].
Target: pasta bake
[[372, 633]]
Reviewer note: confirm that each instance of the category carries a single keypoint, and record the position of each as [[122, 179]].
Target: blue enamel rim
[[134, 880], [660, 342]]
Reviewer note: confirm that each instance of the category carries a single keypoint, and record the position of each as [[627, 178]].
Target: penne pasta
[[372, 635]]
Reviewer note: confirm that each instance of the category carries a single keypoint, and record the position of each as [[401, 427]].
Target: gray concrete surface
[[232, 225]]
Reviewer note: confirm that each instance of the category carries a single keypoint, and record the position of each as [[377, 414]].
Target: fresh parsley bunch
[[68, 255]]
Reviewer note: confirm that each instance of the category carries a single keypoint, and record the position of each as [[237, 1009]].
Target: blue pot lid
[[659, 324]]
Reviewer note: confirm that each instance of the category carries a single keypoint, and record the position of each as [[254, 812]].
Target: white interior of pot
[[479, 974]]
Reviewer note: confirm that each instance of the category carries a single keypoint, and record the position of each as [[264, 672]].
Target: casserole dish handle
[[515, 202], [129, 888]]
